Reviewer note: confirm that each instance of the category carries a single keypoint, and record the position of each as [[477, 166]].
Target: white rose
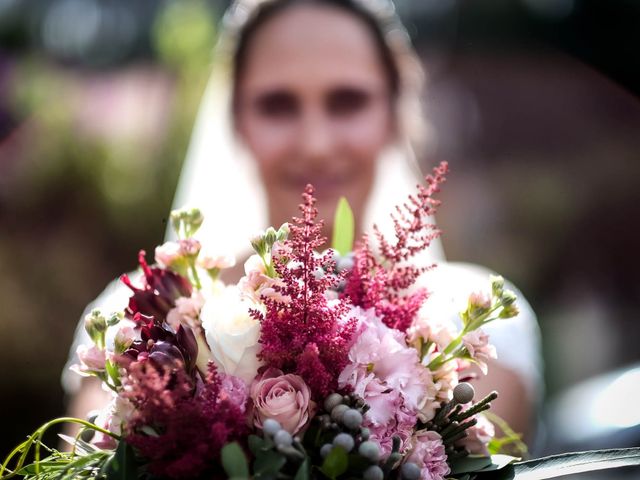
[[232, 334]]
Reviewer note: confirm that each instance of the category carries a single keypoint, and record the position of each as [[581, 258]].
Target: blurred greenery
[[77, 201]]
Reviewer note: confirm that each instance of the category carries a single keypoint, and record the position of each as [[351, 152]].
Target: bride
[[324, 92]]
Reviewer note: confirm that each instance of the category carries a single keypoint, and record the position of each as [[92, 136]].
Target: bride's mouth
[[326, 185]]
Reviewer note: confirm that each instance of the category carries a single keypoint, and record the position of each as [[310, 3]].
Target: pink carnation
[[285, 398], [429, 454], [384, 352], [388, 416]]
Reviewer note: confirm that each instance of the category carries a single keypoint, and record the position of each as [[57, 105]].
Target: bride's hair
[[268, 10], [404, 72]]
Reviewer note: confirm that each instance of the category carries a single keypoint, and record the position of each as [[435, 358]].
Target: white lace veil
[[221, 179]]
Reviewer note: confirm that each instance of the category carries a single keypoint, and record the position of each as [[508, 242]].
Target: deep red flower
[[159, 291], [180, 429], [162, 346]]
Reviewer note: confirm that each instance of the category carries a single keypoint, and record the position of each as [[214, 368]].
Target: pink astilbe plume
[[308, 335], [180, 427], [381, 280]]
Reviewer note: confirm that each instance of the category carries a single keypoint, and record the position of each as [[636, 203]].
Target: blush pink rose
[[285, 398]]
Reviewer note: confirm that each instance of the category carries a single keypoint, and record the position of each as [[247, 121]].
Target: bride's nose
[[316, 137]]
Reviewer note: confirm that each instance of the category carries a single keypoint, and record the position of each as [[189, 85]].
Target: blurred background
[[534, 103]]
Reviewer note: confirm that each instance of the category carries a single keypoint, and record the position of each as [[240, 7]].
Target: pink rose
[[285, 398]]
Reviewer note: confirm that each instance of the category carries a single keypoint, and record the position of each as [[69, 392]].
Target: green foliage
[[303, 472], [234, 461], [87, 462], [510, 443], [470, 463], [336, 463], [184, 33], [343, 228], [268, 464], [122, 465]]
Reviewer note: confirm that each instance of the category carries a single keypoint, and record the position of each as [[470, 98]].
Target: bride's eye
[[277, 105], [347, 101]]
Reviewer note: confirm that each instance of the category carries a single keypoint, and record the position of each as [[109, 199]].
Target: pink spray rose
[[285, 398], [429, 454]]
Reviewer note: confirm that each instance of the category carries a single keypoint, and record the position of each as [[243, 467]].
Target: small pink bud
[[480, 300], [190, 247]]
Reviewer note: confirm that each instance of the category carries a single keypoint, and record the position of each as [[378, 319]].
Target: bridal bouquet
[[317, 364]]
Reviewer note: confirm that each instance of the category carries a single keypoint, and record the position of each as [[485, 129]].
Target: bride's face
[[313, 105]]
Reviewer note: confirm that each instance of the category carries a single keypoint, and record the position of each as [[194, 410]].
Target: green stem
[[194, 274], [37, 437]]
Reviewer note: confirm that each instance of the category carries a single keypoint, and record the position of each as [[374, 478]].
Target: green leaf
[[122, 465], [256, 444], [472, 463], [577, 462], [44, 467], [343, 228], [234, 461], [303, 471], [268, 463], [335, 463]]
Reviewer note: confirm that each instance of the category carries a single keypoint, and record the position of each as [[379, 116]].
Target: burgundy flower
[[189, 426], [159, 291], [162, 346]]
